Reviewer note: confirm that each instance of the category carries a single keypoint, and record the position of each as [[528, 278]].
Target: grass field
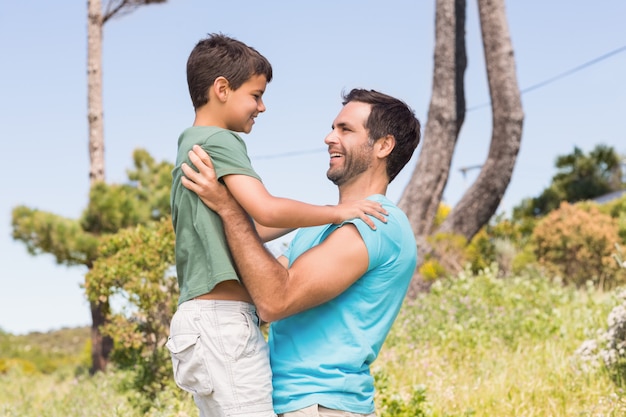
[[473, 346]]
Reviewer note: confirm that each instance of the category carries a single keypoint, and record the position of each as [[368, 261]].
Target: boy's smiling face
[[244, 104]]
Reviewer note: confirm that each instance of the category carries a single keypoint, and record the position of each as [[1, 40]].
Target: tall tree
[[446, 114], [95, 21], [112, 207], [96, 18], [579, 177]]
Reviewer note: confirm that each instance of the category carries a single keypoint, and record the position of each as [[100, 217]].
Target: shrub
[[617, 210], [450, 252], [576, 244], [431, 270], [481, 251], [609, 348], [135, 268], [392, 404]]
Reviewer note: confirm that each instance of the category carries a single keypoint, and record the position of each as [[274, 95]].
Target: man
[[332, 298]]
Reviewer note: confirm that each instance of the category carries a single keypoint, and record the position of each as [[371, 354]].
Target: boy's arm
[[318, 275], [268, 234], [284, 213]]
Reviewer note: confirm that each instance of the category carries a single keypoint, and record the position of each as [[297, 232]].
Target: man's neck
[[360, 190]]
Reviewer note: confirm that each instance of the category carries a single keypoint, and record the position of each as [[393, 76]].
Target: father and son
[[331, 298]]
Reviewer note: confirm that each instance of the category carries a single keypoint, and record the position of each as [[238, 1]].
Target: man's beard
[[354, 164]]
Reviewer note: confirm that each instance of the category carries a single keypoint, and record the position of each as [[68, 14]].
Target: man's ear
[[385, 145], [220, 88]]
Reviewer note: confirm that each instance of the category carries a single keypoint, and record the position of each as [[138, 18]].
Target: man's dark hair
[[389, 116], [221, 56]]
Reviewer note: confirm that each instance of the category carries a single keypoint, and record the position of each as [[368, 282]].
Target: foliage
[[580, 177], [111, 208], [505, 242], [135, 269], [63, 387], [584, 177], [45, 353], [63, 238], [476, 345], [484, 309], [609, 347], [576, 244], [449, 254], [391, 404], [114, 207], [479, 345], [481, 250], [431, 270], [61, 395], [617, 210], [501, 241], [153, 182], [443, 210]]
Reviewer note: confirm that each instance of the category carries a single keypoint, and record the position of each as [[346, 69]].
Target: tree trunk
[[100, 345], [94, 91], [446, 114], [423, 194], [481, 201]]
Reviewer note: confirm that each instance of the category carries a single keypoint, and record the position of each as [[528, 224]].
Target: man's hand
[[204, 182]]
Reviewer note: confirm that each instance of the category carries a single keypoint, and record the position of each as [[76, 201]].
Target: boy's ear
[[220, 88]]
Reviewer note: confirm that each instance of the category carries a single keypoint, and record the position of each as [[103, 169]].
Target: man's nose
[[331, 138]]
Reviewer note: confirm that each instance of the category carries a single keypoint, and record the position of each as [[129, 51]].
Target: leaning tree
[[423, 194]]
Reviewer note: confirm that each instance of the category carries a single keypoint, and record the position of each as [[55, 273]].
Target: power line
[[562, 75], [293, 153], [523, 91]]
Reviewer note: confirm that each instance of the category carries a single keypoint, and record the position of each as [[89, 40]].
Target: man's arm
[[317, 276]]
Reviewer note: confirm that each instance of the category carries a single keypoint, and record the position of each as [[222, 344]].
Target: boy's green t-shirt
[[202, 256]]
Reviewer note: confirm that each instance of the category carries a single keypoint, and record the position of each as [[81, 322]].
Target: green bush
[[391, 404], [45, 352], [135, 267], [483, 309]]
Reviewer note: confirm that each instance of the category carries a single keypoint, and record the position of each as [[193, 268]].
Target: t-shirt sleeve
[[229, 155]]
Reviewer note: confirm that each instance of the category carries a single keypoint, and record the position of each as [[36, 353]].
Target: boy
[[218, 351]]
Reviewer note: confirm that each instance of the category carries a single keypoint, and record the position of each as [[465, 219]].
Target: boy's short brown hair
[[219, 55]]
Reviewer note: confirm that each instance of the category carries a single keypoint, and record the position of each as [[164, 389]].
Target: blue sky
[[317, 50]]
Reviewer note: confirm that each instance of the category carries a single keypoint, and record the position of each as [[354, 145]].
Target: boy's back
[[202, 256]]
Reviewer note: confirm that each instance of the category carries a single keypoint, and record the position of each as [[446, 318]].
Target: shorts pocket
[[240, 333], [189, 365]]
